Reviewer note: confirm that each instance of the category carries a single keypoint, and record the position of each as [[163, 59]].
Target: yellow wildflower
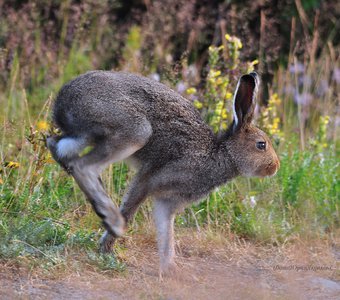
[[12, 165], [42, 125], [325, 119], [276, 123], [198, 104], [270, 116], [228, 95], [251, 65], [219, 105], [49, 159], [238, 43], [219, 81], [191, 91], [214, 74]]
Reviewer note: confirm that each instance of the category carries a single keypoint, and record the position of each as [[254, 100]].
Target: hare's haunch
[[178, 158]]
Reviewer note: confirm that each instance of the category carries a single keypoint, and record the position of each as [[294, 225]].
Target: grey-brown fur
[[178, 158]]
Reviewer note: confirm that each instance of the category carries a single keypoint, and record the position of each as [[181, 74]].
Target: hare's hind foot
[[107, 242], [169, 270]]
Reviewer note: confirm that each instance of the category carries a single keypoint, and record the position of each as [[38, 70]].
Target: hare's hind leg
[[164, 215], [86, 171]]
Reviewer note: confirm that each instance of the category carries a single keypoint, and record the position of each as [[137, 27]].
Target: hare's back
[[101, 95], [95, 96], [102, 100]]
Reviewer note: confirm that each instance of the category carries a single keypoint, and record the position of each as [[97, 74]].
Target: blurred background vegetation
[[199, 48]]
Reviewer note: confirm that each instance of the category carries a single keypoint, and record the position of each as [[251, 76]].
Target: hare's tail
[[65, 148], [69, 147]]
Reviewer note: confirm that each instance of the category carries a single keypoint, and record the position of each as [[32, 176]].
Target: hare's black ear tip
[[255, 76], [250, 78], [252, 75]]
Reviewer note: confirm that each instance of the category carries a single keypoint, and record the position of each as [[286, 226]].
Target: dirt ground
[[209, 268]]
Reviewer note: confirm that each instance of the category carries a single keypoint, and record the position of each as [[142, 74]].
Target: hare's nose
[[276, 166], [277, 163]]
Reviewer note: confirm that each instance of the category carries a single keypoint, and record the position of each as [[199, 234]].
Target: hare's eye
[[261, 145]]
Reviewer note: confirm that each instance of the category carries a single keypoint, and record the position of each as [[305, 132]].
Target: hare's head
[[250, 148]]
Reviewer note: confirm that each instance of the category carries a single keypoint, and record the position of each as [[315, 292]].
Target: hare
[[178, 158]]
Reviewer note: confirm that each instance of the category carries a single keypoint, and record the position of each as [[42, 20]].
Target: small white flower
[[250, 201]]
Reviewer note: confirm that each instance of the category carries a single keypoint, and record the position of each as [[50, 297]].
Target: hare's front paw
[[114, 222], [169, 269]]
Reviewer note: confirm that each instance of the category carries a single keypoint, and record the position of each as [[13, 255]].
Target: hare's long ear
[[244, 100]]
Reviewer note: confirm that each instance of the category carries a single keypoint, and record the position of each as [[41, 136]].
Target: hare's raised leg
[[164, 215], [86, 171]]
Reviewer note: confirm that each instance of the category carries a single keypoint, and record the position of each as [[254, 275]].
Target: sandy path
[[219, 272]]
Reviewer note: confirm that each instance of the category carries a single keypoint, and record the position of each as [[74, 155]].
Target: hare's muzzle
[[269, 169], [273, 167]]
